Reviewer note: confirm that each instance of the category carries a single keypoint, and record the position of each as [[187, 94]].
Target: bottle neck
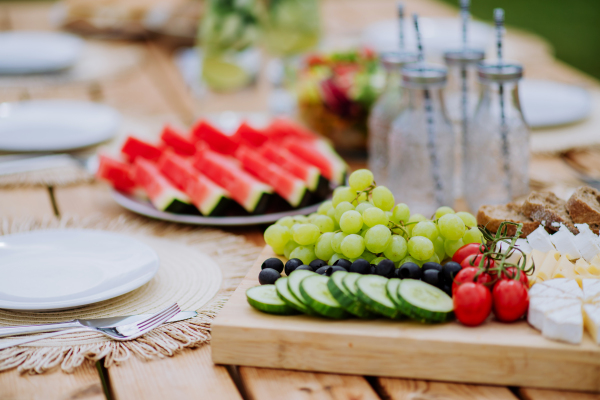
[[505, 94]]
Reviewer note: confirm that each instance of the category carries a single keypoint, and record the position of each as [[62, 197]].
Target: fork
[[120, 333]]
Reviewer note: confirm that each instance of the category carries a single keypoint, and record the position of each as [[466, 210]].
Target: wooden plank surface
[[25, 202], [542, 394], [189, 375], [272, 384], [409, 389], [510, 354], [88, 199]]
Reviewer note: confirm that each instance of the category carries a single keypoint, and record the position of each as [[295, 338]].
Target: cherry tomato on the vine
[[474, 260], [472, 303], [511, 300], [511, 273], [467, 275], [467, 250]]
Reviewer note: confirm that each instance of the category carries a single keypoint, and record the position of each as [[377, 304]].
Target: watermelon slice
[[177, 141], [288, 186], [281, 128], [311, 175], [134, 148], [163, 195], [320, 154], [250, 136], [117, 173], [248, 191], [217, 140], [206, 195]]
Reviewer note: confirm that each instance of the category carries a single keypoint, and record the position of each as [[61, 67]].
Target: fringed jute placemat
[[199, 269]]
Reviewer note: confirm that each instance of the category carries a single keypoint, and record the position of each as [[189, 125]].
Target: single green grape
[[414, 218], [353, 246], [360, 179], [300, 219], [400, 213], [451, 226], [311, 217], [397, 249], [450, 246], [367, 255], [324, 223], [351, 222], [277, 236], [440, 212], [279, 250], [324, 207], [438, 246], [420, 247], [336, 242], [472, 235], [383, 198], [342, 194], [285, 221], [468, 218], [378, 238], [305, 234], [335, 257], [323, 249], [434, 258], [374, 216], [305, 253], [341, 208], [412, 260], [331, 214], [426, 229], [287, 249], [363, 206]]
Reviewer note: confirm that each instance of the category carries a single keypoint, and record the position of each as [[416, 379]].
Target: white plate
[[58, 269], [28, 52], [55, 125], [547, 103], [142, 207]]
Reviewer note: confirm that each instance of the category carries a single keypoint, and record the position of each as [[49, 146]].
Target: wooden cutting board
[[495, 353]]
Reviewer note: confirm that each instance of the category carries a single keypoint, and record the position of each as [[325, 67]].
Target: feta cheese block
[[539, 239], [523, 244], [586, 242], [563, 241]]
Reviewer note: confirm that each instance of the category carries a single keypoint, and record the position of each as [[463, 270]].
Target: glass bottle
[[421, 145], [461, 95], [496, 159], [387, 107]]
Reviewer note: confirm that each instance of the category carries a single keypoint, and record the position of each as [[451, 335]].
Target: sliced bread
[[549, 210], [584, 206], [492, 216]]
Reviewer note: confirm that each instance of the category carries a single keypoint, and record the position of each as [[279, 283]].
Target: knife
[[82, 323]]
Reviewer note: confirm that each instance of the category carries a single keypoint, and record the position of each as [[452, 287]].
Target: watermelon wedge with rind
[[134, 148], [117, 173], [250, 136], [162, 193], [226, 172], [282, 128], [320, 154], [207, 196], [177, 141], [215, 138], [288, 186]]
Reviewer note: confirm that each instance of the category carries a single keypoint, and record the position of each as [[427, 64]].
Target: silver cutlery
[[87, 323], [120, 333]]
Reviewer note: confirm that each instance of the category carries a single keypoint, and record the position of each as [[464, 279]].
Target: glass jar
[[496, 159], [228, 35], [421, 145], [388, 106]]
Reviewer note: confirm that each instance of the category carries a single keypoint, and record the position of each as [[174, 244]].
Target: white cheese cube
[[563, 241], [523, 244], [539, 239], [586, 242]]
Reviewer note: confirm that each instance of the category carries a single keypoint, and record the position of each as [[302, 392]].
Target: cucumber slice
[[294, 283], [264, 298], [424, 302], [319, 299], [391, 288], [349, 282], [283, 291], [345, 298], [371, 291]]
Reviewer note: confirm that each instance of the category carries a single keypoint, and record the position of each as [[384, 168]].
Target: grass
[[572, 27]]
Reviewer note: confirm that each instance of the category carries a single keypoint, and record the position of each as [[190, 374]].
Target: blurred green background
[[572, 27]]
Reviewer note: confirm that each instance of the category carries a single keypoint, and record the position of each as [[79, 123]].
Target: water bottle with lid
[[421, 143], [387, 107]]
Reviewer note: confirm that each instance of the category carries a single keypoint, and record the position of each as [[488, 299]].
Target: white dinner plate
[[144, 207], [59, 269], [547, 103], [28, 52], [55, 125]]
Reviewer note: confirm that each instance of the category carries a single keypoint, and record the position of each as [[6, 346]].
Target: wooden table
[[155, 88]]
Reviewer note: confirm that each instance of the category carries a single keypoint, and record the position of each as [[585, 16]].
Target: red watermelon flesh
[[281, 128], [288, 186], [217, 140], [181, 144], [162, 193], [250, 136], [293, 164], [207, 196], [248, 191], [320, 154], [117, 173], [134, 148]]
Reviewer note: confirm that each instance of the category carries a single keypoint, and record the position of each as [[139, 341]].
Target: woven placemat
[[199, 269]]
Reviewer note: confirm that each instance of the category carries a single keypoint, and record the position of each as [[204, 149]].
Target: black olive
[[274, 263], [410, 270], [385, 268], [322, 270], [360, 266], [431, 265], [268, 276], [342, 262], [334, 269], [432, 276], [316, 264], [449, 271], [291, 265]]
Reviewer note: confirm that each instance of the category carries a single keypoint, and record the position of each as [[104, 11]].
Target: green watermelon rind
[[172, 200], [339, 166]]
